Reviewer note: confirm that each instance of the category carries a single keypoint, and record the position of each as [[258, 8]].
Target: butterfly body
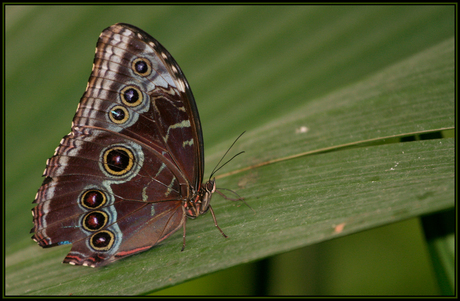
[[130, 171]]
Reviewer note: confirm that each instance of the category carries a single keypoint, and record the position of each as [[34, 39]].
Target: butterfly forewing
[[164, 116], [117, 184]]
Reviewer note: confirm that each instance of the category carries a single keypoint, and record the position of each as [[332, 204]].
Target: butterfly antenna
[[217, 165]]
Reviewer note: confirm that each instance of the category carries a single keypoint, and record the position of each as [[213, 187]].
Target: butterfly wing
[[116, 184]]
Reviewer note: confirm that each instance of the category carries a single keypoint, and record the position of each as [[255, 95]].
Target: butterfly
[[130, 172]]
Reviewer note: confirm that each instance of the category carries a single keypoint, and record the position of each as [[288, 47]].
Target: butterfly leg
[[215, 224], [232, 199], [215, 221], [184, 217]]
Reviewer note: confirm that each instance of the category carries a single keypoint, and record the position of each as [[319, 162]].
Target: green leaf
[[326, 95], [440, 233]]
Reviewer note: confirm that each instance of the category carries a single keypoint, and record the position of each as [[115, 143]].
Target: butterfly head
[[200, 204], [208, 189]]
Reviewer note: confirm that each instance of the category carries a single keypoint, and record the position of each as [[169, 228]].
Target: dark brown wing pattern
[[130, 171]]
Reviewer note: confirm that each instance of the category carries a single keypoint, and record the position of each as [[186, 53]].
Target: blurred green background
[[247, 66]]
